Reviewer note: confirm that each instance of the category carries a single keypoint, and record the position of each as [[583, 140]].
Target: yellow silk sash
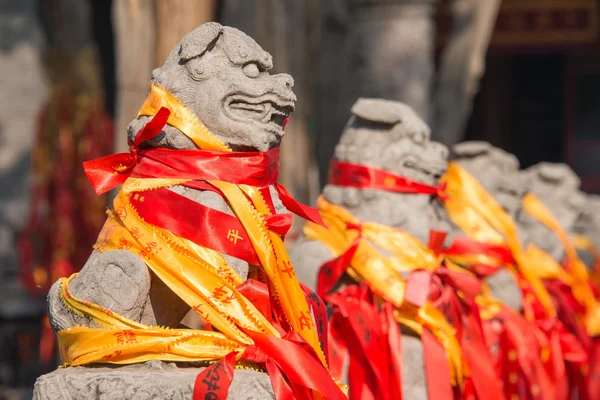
[[200, 276], [577, 269], [480, 216], [382, 273]]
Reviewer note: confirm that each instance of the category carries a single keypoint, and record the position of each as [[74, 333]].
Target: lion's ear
[[471, 148], [199, 41]]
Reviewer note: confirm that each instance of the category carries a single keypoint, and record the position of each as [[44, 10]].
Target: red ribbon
[[293, 372], [213, 383], [520, 357], [319, 311], [363, 177], [292, 365], [569, 309], [373, 340], [442, 287], [364, 334], [258, 169], [436, 367], [220, 231], [290, 356]]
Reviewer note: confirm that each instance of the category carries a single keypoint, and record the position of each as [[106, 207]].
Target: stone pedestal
[[151, 380]]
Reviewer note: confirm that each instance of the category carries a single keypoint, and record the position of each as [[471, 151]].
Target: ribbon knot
[[131, 162], [123, 163]]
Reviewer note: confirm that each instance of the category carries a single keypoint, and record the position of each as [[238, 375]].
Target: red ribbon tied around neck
[[363, 177], [257, 169]]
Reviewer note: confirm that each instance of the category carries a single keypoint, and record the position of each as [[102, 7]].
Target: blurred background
[[521, 74]]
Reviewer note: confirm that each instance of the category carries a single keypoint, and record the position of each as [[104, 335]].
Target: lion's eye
[[419, 137], [251, 70]]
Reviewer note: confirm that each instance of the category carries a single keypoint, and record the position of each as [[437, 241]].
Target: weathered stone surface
[[558, 187], [151, 380]]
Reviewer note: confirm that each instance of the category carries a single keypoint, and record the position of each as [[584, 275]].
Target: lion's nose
[[286, 80]]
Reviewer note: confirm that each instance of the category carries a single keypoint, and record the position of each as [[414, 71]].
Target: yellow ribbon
[[577, 269], [200, 276], [480, 216], [383, 273]]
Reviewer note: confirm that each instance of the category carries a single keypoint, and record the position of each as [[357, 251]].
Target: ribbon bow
[[123, 163]]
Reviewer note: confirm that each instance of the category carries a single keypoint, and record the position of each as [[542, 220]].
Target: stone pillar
[[371, 48], [462, 66]]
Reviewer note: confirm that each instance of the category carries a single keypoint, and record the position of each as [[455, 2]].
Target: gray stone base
[[151, 380]]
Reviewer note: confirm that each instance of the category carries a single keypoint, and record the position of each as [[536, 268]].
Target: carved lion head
[[222, 76], [496, 170]]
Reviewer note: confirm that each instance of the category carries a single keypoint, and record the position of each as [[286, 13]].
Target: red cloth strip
[[331, 271], [463, 246], [301, 210], [248, 168], [394, 340], [319, 311], [436, 368], [297, 365], [363, 177], [214, 381], [464, 314], [257, 169], [182, 216], [362, 337], [258, 294], [338, 351]]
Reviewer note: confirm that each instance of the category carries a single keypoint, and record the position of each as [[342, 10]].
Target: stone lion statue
[[558, 187], [387, 135], [222, 76]]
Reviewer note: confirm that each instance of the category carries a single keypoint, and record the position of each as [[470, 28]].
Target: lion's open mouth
[[425, 170], [266, 109]]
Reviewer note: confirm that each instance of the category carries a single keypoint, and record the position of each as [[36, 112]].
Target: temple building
[[539, 97]]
